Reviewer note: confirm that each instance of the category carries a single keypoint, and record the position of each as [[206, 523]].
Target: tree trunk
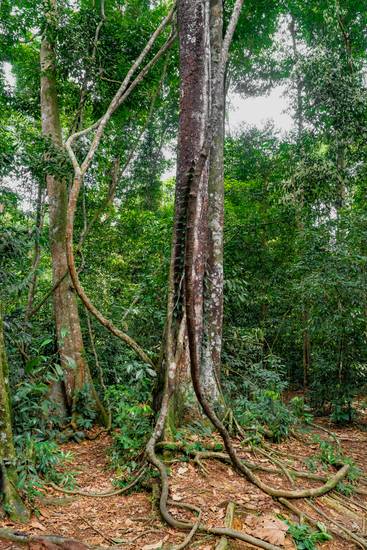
[[10, 501], [306, 340], [194, 106], [213, 278], [198, 209], [68, 330]]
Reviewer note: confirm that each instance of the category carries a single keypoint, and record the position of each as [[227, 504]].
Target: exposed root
[[278, 463], [221, 531], [347, 533], [304, 516], [341, 507], [105, 537], [223, 544], [201, 465], [191, 535], [45, 541], [351, 502], [224, 457], [101, 495]]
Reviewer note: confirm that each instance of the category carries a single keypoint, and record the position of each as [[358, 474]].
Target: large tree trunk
[[194, 93], [69, 335], [10, 501], [200, 38]]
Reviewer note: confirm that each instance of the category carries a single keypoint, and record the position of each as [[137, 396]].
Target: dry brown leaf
[[272, 530], [37, 525], [44, 513], [155, 545]]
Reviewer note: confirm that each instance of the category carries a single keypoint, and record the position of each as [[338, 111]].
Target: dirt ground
[[133, 522]]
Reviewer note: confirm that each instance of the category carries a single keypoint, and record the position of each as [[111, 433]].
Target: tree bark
[[194, 107], [37, 250], [306, 340], [213, 278], [10, 500], [68, 330], [198, 202]]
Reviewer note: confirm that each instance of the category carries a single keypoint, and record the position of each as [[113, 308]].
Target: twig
[[106, 538]]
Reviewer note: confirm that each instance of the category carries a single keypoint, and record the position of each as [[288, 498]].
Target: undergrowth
[[304, 537]]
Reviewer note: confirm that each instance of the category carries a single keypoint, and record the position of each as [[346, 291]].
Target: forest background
[[294, 255]]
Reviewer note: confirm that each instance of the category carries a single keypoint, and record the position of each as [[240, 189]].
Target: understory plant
[[305, 538]]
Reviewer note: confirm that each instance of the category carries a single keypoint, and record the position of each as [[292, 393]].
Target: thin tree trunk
[[306, 340], [68, 330], [10, 500], [37, 250]]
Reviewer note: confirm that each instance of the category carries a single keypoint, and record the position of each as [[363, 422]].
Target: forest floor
[[133, 522]]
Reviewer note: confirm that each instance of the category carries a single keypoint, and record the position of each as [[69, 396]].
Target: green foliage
[[331, 455], [35, 411], [305, 538], [300, 409], [295, 213], [255, 381], [40, 462], [84, 408], [131, 417]]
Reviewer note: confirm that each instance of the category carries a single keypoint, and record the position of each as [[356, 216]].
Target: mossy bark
[[11, 502]]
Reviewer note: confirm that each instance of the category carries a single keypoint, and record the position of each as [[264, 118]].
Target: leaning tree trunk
[[68, 330], [10, 501]]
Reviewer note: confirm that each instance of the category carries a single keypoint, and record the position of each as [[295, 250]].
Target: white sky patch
[[8, 74], [256, 111], [253, 111]]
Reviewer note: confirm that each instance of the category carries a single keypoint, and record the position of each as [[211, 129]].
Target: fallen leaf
[[155, 545], [272, 530], [176, 498], [182, 470], [37, 525]]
